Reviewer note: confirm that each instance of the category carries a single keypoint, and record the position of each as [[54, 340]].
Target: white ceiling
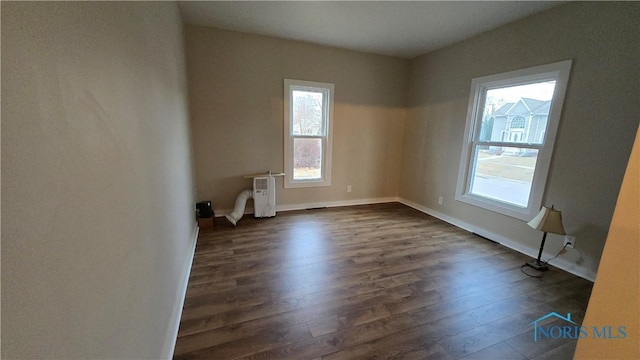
[[398, 28]]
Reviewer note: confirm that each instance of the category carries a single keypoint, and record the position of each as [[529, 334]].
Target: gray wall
[[596, 132], [236, 103], [98, 221], [614, 299]]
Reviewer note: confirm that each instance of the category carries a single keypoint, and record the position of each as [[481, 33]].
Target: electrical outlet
[[569, 241], [348, 188], [440, 200]]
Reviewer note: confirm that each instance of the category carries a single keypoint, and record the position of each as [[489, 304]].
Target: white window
[[508, 175], [308, 111]]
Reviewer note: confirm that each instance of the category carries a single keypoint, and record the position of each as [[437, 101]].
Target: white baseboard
[[354, 202], [303, 206], [172, 333], [504, 241], [436, 214]]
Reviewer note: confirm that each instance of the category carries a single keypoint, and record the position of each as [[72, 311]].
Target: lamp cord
[[543, 263], [558, 254]]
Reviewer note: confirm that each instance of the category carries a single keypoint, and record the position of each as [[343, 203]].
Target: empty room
[[320, 180]]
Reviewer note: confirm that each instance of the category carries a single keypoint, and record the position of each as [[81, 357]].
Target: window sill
[[306, 184], [501, 208]]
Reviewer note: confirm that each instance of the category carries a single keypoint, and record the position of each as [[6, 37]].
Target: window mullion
[[508, 144]]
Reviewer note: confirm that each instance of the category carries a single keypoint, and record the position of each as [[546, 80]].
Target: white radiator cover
[[264, 196]]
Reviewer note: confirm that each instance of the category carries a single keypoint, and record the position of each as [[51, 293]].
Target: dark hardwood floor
[[367, 282]]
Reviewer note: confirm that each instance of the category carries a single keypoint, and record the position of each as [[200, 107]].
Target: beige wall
[[596, 131], [614, 300], [236, 103], [97, 205]]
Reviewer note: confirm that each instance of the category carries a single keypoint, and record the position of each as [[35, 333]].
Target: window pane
[[307, 159], [503, 173], [307, 113], [517, 114]]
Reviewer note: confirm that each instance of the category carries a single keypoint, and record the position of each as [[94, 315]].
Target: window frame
[[558, 71], [327, 89]]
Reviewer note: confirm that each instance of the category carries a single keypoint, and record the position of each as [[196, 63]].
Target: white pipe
[[238, 210]]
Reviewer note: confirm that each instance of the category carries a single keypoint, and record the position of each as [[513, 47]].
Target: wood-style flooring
[[367, 282]]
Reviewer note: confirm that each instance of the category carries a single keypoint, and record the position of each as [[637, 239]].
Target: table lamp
[[548, 221]]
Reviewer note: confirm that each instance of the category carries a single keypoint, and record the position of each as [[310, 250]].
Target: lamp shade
[[548, 220]]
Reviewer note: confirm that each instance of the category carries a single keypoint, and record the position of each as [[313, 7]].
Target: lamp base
[[537, 265]]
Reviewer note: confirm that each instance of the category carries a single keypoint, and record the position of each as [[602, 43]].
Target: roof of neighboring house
[[543, 109], [503, 110], [535, 105], [524, 106]]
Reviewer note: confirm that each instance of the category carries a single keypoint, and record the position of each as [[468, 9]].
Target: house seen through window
[[515, 114]]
